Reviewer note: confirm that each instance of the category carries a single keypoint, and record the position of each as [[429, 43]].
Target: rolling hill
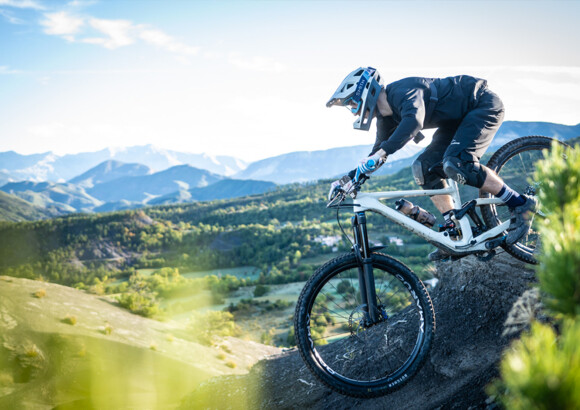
[[224, 189], [108, 171], [16, 209], [98, 355], [145, 187], [64, 198]]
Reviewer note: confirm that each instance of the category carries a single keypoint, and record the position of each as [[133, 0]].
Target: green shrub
[[261, 290], [267, 338], [542, 370], [141, 303], [559, 270], [209, 326], [291, 338], [231, 364], [70, 320], [39, 294], [108, 329]]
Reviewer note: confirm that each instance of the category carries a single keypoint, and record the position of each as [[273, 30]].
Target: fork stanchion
[[365, 269]]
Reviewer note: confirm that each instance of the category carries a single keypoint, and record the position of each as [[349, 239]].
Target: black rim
[[517, 172], [345, 348]]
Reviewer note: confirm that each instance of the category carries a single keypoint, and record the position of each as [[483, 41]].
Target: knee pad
[[464, 172], [424, 178]]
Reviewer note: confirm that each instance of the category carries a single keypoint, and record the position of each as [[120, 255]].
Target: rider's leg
[[431, 156], [443, 203], [435, 179], [461, 162]]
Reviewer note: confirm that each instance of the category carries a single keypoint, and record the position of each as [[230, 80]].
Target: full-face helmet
[[359, 92]]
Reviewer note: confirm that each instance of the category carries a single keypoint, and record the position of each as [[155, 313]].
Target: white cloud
[[22, 4], [165, 41], [118, 32], [11, 19], [81, 3], [110, 34], [257, 63], [7, 70], [62, 24]]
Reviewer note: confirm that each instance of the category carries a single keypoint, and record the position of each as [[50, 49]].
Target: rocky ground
[[472, 302]]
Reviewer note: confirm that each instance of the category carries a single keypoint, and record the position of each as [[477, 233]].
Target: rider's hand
[[371, 164], [345, 184]]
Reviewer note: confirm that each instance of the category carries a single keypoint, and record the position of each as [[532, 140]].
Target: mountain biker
[[466, 114]]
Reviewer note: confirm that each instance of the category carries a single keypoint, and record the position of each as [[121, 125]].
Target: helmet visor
[[352, 105]]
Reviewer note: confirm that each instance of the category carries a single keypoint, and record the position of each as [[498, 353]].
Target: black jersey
[[409, 99]]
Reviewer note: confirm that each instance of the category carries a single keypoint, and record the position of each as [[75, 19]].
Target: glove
[[370, 164], [343, 184]]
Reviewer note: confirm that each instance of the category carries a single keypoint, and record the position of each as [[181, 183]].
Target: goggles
[[352, 105]]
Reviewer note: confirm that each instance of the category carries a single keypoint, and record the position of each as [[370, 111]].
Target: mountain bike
[[364, 323]]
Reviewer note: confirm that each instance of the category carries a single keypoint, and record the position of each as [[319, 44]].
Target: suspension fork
[[365, 269]]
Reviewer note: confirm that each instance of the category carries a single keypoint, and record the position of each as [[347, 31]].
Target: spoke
[[329, 310], [362, 353]]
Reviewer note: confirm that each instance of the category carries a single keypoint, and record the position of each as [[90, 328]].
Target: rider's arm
[[385, 128], [412, 111]]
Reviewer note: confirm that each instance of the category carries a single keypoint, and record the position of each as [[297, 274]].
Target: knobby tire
[[364, 362], [515, 164]]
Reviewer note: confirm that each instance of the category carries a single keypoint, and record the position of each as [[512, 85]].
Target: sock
[[510, 197]]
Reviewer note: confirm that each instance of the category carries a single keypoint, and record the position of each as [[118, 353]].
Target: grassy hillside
[[64, 347], [15, 209]]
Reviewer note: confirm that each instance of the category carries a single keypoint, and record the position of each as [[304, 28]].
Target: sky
[[250, 79]]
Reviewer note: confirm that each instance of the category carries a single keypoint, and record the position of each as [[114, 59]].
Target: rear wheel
[[346, 353], [515, 163]]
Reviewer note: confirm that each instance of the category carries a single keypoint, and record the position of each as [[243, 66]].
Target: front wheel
[[515, 163], [338, 344]]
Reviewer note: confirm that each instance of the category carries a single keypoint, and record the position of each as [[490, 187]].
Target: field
[[242, 272]]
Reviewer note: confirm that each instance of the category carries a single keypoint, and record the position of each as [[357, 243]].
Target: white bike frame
[[370, 201]]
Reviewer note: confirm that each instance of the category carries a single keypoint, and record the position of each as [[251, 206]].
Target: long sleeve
[[385, 128], [411, 108]]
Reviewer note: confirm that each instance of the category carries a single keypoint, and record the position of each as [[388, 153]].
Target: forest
[[151, 256]]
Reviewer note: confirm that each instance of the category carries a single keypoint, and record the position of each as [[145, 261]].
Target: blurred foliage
[[559, 270], [45, 370], [542, 369], [208, 327]]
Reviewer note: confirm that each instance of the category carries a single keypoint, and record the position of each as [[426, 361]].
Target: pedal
[[485, 256], [494, 243]]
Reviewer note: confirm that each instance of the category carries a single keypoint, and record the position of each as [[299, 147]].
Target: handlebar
[[341, 194]]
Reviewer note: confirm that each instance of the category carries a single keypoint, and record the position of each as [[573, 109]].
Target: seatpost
[[365, 271]]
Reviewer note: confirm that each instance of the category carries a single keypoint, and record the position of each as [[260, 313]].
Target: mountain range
[[114, 179], [51, 167]]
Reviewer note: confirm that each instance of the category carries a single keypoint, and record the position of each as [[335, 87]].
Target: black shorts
[[466, 140]]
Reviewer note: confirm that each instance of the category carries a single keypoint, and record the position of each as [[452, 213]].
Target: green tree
[[542, 369]]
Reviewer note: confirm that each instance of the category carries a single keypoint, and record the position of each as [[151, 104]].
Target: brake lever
[[337, 199], [341, 194]]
